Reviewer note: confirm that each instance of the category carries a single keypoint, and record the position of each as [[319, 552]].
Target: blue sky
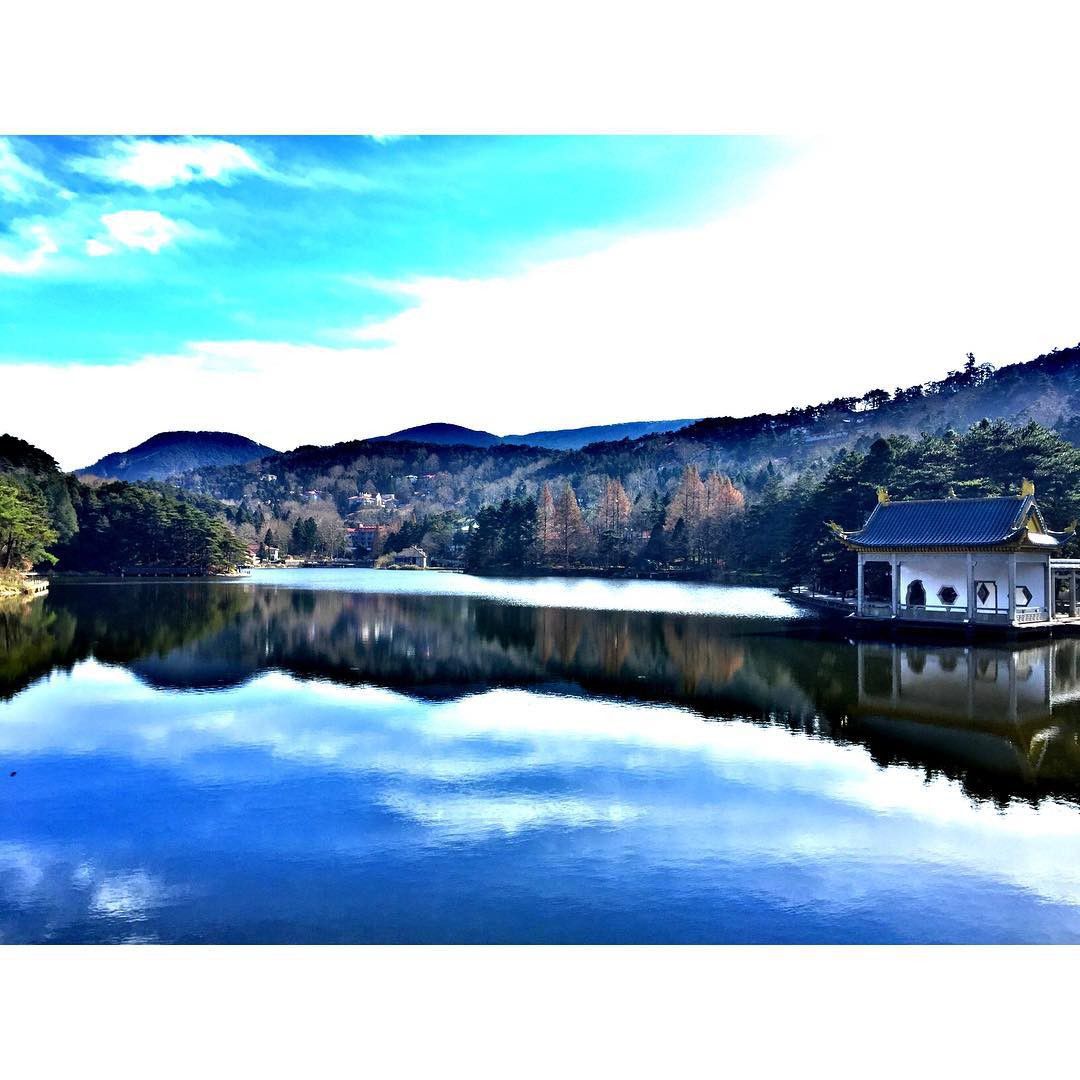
[[309, 290], [291, 237]]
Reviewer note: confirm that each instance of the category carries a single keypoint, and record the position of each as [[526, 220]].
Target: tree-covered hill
[[17, 455], [751, 450], [51, 518], [170, 453], [432, 494], [1045, 390]]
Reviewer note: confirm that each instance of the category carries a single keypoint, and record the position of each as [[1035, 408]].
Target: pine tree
[[25, 528]]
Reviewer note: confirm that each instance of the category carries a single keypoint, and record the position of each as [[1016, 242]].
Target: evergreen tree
[[25, 529]]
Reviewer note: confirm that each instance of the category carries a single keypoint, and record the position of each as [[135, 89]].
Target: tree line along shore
[[706, 526], [747, 499]]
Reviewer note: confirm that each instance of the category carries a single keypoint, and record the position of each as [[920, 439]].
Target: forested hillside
[[48, 518], [308, 500], [170, 453]]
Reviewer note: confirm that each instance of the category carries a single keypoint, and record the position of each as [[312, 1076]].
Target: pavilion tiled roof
[[1000, 521]]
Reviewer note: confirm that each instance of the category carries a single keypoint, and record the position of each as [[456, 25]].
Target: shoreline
[[16, 585], [688, 577]]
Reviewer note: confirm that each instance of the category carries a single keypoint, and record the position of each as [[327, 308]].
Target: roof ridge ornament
[[882, 496], [1027, 487]]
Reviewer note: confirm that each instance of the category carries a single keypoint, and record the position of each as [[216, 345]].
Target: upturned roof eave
[[1012, 539], [1007, 545]]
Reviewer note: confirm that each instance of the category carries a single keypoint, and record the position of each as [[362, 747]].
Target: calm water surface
[[365, 756]]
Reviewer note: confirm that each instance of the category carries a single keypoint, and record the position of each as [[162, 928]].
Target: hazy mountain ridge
[[441, 434], [576, 438], [171, 453], [1045, 390]]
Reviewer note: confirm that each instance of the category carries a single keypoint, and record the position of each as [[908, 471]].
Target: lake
[[371, 756]]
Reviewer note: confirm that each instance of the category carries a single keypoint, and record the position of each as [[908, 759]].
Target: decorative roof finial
[[882, 496], [1027, 487]]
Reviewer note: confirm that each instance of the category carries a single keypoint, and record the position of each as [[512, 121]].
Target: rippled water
[[431, 757]]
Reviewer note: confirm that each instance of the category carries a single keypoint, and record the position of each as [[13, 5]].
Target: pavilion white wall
[[1033, 575], [992, 568], [936, 571]]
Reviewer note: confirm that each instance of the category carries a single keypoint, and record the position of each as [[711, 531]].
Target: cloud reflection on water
[[674, 789]]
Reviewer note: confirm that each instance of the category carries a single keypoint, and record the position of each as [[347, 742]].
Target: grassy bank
[[12, 583]]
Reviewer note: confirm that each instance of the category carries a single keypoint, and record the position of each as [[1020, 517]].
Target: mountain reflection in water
[[209, 673], [1003, 718]]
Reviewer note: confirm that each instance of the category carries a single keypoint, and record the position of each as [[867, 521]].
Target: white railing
[[1032, 615], [955, 613], [877, 609]]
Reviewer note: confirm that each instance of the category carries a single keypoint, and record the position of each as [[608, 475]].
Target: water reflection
[[1007, 715], [240, 762], [1003, 719]]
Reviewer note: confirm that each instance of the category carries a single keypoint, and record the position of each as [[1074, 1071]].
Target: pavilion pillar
[[1012, 588], [1072, 594], [970, 588], [859, 587], [1013, 698], [894, 561]]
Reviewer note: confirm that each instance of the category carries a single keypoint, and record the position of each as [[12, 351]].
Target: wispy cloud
[[143, 230], [153, 164], [33, 246], [19, 181]]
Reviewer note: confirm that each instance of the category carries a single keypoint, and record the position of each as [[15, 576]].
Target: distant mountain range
[[1046, 390], [559, 439], [171, 453]]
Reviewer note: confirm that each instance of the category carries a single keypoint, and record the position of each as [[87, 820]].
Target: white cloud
[[144, 230], [19, 181], [413, 755], [97, 248], [149, 163], [858, 265], [31, 252]]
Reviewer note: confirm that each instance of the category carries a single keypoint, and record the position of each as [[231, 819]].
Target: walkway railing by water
[[882, 609], [35, 584]]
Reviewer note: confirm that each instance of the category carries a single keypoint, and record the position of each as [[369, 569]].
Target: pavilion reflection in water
[[1009, 708]]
